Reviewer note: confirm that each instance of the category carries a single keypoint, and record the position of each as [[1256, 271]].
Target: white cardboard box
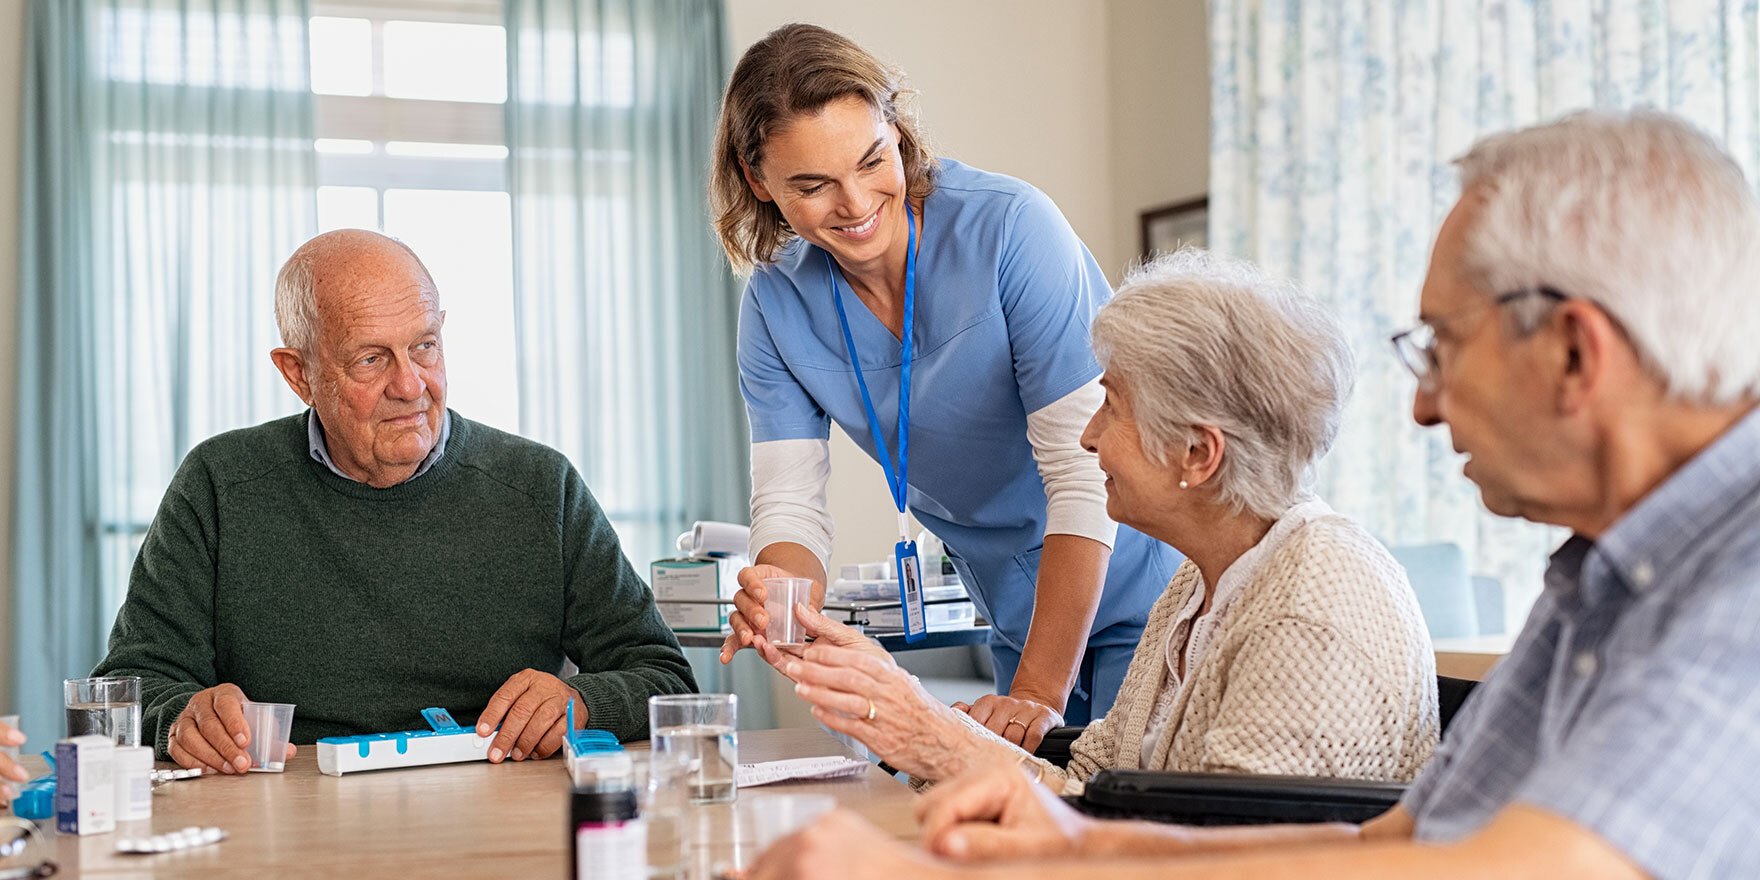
[[85, 797], [694, 578]]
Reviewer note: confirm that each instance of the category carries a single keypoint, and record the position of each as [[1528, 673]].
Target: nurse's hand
[[1022, 722], [9, 767], [748, 619]]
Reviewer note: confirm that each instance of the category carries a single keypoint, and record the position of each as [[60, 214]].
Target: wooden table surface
[[455, 820]]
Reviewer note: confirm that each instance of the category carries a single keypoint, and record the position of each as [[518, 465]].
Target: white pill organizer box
[[446, 743]]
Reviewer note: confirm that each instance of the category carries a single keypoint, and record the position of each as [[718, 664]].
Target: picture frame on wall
[[1167, 228]]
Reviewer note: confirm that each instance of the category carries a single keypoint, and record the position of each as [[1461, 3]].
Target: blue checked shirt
[[1631, 701]]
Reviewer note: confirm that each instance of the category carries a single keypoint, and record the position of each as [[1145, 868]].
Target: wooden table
[[457, 820], [1471, 657]]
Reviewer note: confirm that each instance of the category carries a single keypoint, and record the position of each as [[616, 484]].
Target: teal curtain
[[167, 171], [624, 307]]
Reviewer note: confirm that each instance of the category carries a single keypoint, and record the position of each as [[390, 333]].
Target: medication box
[[696, 579], [85, 797]]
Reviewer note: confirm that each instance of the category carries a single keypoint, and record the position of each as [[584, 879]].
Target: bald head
[[343, 258]]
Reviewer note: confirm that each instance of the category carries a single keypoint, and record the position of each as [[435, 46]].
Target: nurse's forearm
[[1072, 571], [797, 560]]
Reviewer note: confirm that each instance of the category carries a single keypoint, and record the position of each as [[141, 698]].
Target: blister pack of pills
[[170, 842]]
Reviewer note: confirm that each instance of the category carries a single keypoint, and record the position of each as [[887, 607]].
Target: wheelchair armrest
[[1055, 746], [1234, 799]]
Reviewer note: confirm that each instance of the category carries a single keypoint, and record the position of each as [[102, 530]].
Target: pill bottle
[[608, 840]]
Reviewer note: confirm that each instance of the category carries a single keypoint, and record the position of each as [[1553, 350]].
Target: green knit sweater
[[363, 606]]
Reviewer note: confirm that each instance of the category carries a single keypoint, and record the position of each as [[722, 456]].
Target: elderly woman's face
[[1137, 488]]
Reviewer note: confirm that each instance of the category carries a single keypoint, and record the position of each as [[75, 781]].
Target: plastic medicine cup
[[271, 724], [12, 722], [780, 597]]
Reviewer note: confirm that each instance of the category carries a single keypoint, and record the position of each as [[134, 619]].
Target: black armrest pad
[[1234, 799], [1055, 746]]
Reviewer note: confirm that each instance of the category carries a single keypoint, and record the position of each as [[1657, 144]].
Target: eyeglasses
[[1417, 347]]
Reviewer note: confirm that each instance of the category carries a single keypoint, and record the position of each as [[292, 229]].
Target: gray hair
[[296, 303], [1201, 339], [1639, 213]]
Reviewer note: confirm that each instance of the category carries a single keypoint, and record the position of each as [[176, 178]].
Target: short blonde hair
[[1201, 339], [796, 70]]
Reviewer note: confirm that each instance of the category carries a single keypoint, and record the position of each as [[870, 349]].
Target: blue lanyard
[[897, 479]]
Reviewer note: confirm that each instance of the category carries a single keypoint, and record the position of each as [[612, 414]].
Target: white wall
[[12, 78]]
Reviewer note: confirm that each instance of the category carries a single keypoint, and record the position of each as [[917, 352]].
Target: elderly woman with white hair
[[1289, 642]]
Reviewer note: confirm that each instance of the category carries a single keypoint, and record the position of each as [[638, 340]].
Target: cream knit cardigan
[[1323, 668]]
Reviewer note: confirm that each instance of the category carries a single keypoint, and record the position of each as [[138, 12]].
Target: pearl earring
[[1182, 484]]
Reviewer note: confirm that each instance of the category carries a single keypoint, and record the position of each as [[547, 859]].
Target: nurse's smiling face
[[837, 178]]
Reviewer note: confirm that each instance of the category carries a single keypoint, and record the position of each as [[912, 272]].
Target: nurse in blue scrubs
[[875, 268]]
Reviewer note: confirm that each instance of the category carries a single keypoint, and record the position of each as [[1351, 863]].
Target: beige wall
[[1160, 99], [12, 78]]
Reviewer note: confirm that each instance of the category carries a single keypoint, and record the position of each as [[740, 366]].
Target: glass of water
[[105, 706], [698, 731]]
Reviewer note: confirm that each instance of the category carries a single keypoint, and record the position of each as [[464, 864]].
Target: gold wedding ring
[[872, 709], [1015, 721]]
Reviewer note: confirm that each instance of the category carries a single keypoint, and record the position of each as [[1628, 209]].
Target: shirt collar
[[321, 451], [1667, 525]]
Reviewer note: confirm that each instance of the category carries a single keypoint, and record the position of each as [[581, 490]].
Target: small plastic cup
[[781, 595], [271, 724], [12, 722], [766, 818]]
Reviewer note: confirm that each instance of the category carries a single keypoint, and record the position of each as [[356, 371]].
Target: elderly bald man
[[378, 553]]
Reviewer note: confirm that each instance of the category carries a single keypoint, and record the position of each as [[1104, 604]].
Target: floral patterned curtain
[[1334, 125]]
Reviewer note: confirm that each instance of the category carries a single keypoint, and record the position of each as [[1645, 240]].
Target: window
[[409, 100]]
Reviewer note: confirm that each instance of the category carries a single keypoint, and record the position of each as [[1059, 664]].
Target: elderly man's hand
[[532, 709], [211, 735], [997, 812], [9, 768], [825, 848], [1023, 722]]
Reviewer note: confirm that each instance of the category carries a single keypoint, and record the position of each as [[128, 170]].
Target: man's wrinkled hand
[[211, 735], [997, 812], [532, 709]]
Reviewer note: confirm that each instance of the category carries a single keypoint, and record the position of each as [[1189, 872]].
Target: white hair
[[1201, 339], [296, 303], [1639, 213]]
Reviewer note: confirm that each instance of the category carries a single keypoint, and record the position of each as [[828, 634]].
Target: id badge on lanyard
[[910, 579]]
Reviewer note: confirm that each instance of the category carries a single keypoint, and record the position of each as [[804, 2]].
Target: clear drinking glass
[[104, 706], [698, 730]]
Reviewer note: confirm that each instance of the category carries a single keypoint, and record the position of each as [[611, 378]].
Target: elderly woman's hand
[[826, 847], [860, 691], [823, 631]]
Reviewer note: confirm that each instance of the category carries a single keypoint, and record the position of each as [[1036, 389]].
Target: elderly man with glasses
[[1588, 336]]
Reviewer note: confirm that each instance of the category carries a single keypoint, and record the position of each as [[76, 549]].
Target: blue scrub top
[[1005, 296]]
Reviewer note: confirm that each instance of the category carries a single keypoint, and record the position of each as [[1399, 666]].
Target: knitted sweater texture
[[1323, 668], [363, 606]]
